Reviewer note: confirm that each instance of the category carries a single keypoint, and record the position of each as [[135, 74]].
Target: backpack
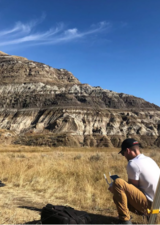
[[52, 214]]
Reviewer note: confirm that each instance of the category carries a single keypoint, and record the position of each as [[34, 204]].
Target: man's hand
[[111, 189], [134, 182]]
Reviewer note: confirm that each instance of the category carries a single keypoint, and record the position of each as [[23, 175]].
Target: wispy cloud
[[23, 33]]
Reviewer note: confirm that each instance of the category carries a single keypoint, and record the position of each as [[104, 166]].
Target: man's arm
[[134, 182], [133, 173]]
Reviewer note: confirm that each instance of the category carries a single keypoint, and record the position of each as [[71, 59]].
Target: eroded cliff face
[[82, 127], [41, 105]]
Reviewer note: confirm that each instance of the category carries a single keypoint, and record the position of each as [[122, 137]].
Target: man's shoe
[[125, 222]]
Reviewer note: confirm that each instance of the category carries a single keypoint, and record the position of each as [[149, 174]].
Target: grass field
[[35, 176]]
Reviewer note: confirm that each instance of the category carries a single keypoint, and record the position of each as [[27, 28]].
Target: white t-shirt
[[145, 170]]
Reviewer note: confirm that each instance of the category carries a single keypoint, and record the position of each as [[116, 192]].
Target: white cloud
[[24, 33], [72, 31]]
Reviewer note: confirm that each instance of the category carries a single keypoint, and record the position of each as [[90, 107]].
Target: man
[[143, 175]]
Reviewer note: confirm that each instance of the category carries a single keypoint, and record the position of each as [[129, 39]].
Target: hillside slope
[[48, 106]]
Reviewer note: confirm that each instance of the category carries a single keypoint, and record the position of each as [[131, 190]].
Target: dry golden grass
[[35, 176]]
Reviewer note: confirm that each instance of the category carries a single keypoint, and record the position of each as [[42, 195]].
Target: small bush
[[94, 158], [21, 156], [153, 154], [116, 156], [77, 157]]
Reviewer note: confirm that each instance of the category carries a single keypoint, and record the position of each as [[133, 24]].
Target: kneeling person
[[143, 175]]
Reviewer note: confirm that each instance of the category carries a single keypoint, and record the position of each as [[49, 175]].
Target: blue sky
[[114, 44]]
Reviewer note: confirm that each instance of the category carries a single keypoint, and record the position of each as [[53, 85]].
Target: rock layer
[[47, 106]]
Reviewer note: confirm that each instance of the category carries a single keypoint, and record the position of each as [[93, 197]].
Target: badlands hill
[[41, 105]]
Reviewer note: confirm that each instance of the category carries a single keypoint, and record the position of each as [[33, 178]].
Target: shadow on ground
[[100, 219], [30, 208], [96, 218]]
